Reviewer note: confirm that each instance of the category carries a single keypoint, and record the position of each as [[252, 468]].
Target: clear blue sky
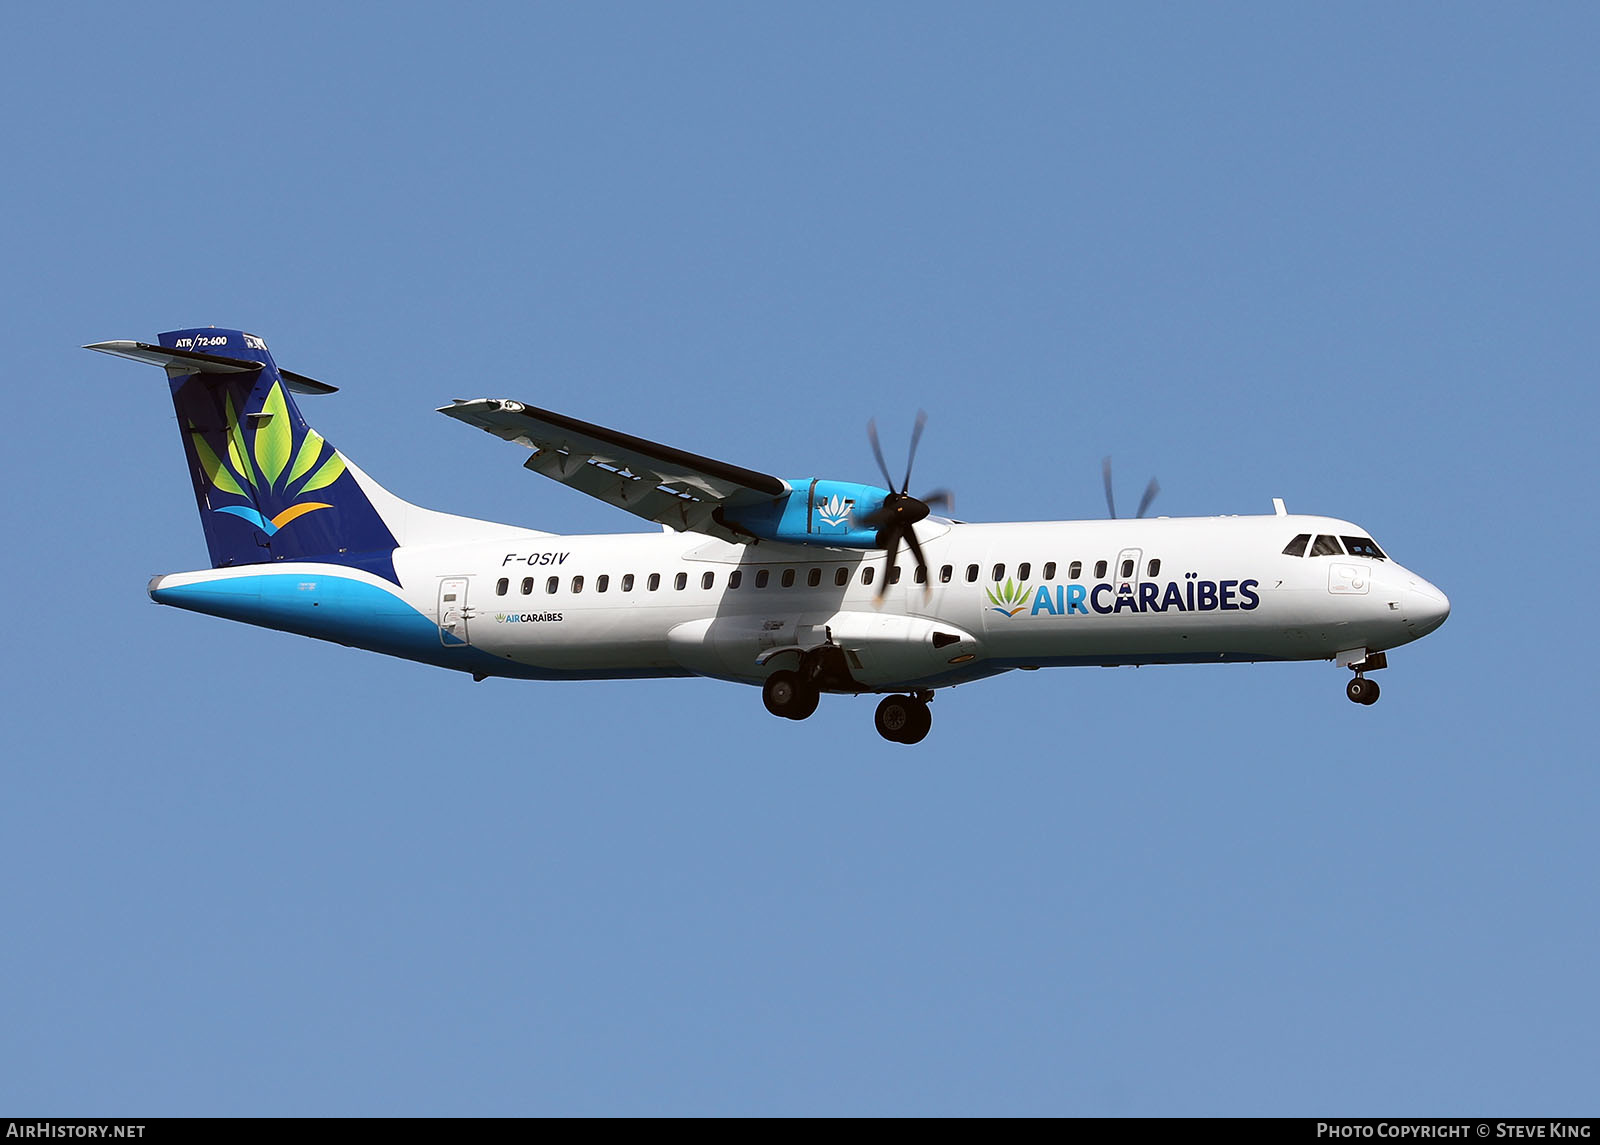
[[1345, 255]]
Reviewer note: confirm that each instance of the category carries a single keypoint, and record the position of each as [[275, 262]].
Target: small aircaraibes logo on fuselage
[[267, 466], [1191, 594]]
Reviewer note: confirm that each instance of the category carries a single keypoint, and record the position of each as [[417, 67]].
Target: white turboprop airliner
[[792, 585]]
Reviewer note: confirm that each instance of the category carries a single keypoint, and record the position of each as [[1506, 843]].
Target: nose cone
[[1426, 607]]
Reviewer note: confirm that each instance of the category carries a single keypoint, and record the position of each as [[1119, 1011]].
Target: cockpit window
[[1363, 547], [1326, 546], [1297, 547]]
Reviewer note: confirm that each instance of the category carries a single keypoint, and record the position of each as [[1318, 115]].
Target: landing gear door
[[453, 612]]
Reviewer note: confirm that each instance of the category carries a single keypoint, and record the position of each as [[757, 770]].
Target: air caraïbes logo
[[835, 511], [259, 465], [1191, 594], [1008, 599]]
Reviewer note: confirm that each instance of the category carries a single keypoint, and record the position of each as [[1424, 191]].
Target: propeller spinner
[[897, 517]]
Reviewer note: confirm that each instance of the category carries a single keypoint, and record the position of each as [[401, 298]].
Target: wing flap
[[669, 486]]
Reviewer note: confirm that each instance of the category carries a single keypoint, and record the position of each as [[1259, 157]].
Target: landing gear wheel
[[903, 719], [1362, 691], [921, 722], [786, 695], [805, 702]]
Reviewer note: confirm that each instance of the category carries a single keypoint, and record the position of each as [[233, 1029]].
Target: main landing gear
[[899, 719], [904, 719], [789, 696]]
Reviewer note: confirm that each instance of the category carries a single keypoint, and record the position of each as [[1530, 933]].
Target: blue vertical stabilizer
[[268, 486]]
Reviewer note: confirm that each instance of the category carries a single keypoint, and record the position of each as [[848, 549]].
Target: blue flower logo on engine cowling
[[835, 511]]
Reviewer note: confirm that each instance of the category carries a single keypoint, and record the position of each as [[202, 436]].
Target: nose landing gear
[[1362, 690]]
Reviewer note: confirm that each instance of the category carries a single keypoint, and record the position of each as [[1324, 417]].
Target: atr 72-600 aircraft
[[791, 585]]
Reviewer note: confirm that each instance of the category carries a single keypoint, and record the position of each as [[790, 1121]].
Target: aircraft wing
[[671, 487]]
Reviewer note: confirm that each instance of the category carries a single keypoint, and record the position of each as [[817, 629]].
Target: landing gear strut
[[904, 719]]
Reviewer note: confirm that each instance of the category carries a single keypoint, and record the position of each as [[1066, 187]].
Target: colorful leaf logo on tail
[[259, 466], [1008, 599]]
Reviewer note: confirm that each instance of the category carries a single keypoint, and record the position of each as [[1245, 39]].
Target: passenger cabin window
[[1127, 569], [735, 578], [972, 573], [527, 586], [681, 581], [654, 582], [1049, 570], [1099, 570], [500, 586], [552, 585], [1024, 569], [787, 578], [945, 573], [867, 573], [577, 584], [1074, 570], [762, 576], [1363, 547], [627, 582], [921, 575], [814, 578], [1153, 568], [999, 573], [1326, 546], [894, 575], [1297, 547], [707, 579], [841, 576], [602, 583]]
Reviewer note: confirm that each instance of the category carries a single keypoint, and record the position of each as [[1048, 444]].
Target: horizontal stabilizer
[[195, 362]]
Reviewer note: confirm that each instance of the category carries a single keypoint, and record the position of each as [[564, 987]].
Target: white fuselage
[[999, 596]]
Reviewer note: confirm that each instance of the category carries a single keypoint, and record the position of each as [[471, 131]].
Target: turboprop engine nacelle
[[815, 512]]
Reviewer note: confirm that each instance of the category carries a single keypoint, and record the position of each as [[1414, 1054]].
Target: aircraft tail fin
[[268, 486]]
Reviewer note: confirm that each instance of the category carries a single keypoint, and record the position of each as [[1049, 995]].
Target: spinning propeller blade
[[896, 519], [1150, 491], [877, 451]]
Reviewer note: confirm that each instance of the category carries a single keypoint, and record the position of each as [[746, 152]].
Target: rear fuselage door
[[453, 611]]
